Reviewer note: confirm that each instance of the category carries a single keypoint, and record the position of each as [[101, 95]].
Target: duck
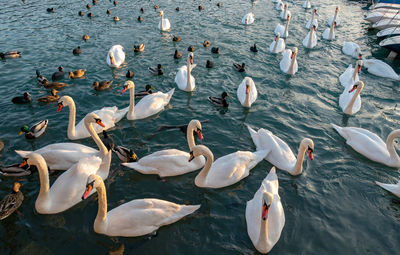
[[171, 162], [379, 68], [156, 70], [109, 116], [15, 171], [47, 99], [220, 101], [177, 54], [90, 15], [11, 202], [176, 38], [156, 7], [108, 141], [115, 56], [393, 188], [310, 41], [101, 85], [124, 154], [288, 63], [129, 74], [215, 50], [184, 78], [88, 6], [265, 217], [54, 85], [108, 12], [201, 8], [350, 100], [279, 153], [86, 37], [115, 3], [219, 4], [35, 131], [62, 156], [285, 13], [135, 218], [206, 43], [116, 18], [77, 74], [329, 33], [277, 45], [240, 67], [177, 9], [50, 9], [140, 19], [94, 2], [58, 75], [226, 170], [370, 145], [209, 64], [335, 18], [164, 24], [351, 49], [40, 78], [147, 91], [138, 48], [283, 30], [77, 50], [148, 105], [247, 92], [307, 4], [254, 48], [142, 10], [10, 54], [182, 128], [191, 48], [81, 13], [349, 77], [25, 99], [248, 19], [313, 21]]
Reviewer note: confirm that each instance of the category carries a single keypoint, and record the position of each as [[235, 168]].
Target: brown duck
[[77, 74], [47, 99]]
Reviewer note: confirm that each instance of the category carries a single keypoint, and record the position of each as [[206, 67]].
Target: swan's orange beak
[[353, 88], [191, 156], [359, 69], [98, 121], [24, 163], [191, 60], [247, 89], [88, 189], [264, 212], [291, 56], [60, 106], [111, 60], [276, 38], [310, 154], [124, 89], [200, 134]]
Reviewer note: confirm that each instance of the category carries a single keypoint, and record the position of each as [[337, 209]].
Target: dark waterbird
[[77, 50], [129, 74], [176, 38], [107, 141], [10, 54], [51, 98], [80, 13], [156, 70], [147, 91], [239, 67], [25, 99], [50, 9], [40, 78], [177, 54], [11, 202], [177, 9], [209, 64], [108, 11], [254, 48], [59, 74], [215, 50], [220, 101], [140, 19], [206, 43], [142, 10], [101, 85]]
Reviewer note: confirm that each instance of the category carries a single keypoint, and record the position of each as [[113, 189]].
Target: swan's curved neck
[[312, 18], [201, 177], [246, 102], [310, 39], [131, 111], [291, 68], [355, 72], [96, 138], [161, 22], [349, 108], [390, 144], [190, 137], [334, 18], [287, 28], [71, 121], [44, 196], [276, 45], [331, 32], [298, 167], [101, 219], [189, 70], [263, 236]]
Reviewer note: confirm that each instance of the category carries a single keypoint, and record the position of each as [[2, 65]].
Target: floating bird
[[129, 74], [101, 85], [54, 85], [329, 33], [350, 100], [115, 56], [393, 188], [77, 74], [277, 45], [219, 4], [254, 48], [164, 24], [288, 63], [285, 13], [177, 9], [351, 49], [86, 37], [140, 19], [335, 18], [138, 48], [239, 67], [307, 4], [142, 10], [147, 91], [94, 2], [176, 38], [108, 12], [90, 15], [25, 99], [379, 68], [220, 101], [11, 202], [351, 75], [59, 74], [209, 64], [35, 131], [77, 50], [156, 7], [247, 92], [47, 99], [201, 8], [313, 20], [80, 13], [115, 2], [215, 50], [156, 70], [311, 39], [184, 79], [10, 54], [206, 43], [191, 48], [116, 18], [177, 54], [88, 6], [283, 30], [50, 9], [40, 78], [16, 171], [248, 19], [124, 154]]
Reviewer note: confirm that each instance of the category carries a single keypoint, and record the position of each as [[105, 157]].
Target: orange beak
[[87, 191], [265, 211], [100, 123], [352, 89], [200, 135], [310, 154], [291, 56], [124, 89], [23, 164], [247, 89], [111, 60], [60, 106], [191, 157]]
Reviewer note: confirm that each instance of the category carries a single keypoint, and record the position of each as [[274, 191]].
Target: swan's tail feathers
[[394, 188], [183, 211], [23, 154], [140, 168], [170, 93], [273, 170], [337, 128], [254, 136], [121, 113]]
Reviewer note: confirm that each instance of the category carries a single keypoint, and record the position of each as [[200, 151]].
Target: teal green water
[[334, 207]]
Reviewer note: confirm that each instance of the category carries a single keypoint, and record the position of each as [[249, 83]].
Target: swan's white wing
[[346, 78], [351, 49], [119, 55], [393, 188], [325, 34], [279, 29], [286, 60], [152, 104], [241, 91], [379, 68]]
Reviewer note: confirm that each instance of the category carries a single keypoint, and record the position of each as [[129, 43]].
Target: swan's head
[[128, 85], [334, 24], [359, 65], [93, 118], [358, 85], [248, 85], [360, 56], [64, 101], [32, 159], [190, 57], [288, 17], [267, 200], [337, 9], [285, 7], [277, 36], [199, 150], [161, 13], [315, 12], [93, 181], [195, 125], [309, 145], [294, 52], [314, 28]]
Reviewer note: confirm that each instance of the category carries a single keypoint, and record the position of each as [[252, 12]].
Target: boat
[[376, 16], [385, 5], [391, 31], [391, 43], [386, 23]]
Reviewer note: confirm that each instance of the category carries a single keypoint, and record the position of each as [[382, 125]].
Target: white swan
[[379, 68], [329, 33], [148, 105], [135, 218], [61, 156], [349, 77], [288, 63], [311, 39], [115, 56], [285, 13], [171, 162], [393, 188], [279, 154], [108, 115], [351, 49], [184, 79], [370, 145], [307, 4], [277, 45], [226, 170], [248, 18], [265, 217], [247, 92], [164, 24], [279, 6], [283, 30], [313, 20], [335, 18], [350, 100]]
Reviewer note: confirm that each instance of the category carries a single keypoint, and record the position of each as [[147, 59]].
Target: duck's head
[[93, 118], [358, 84], [93, 181], [148, 87], [224, 95], [277, 36], [128, 85], [196, 126], [24, 129], [27, 95], [64, 101], [71, 75], [16, 187], [267, 200], [309, 145], [95, 84], [60, 68], [159, 66], [243, 65]]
